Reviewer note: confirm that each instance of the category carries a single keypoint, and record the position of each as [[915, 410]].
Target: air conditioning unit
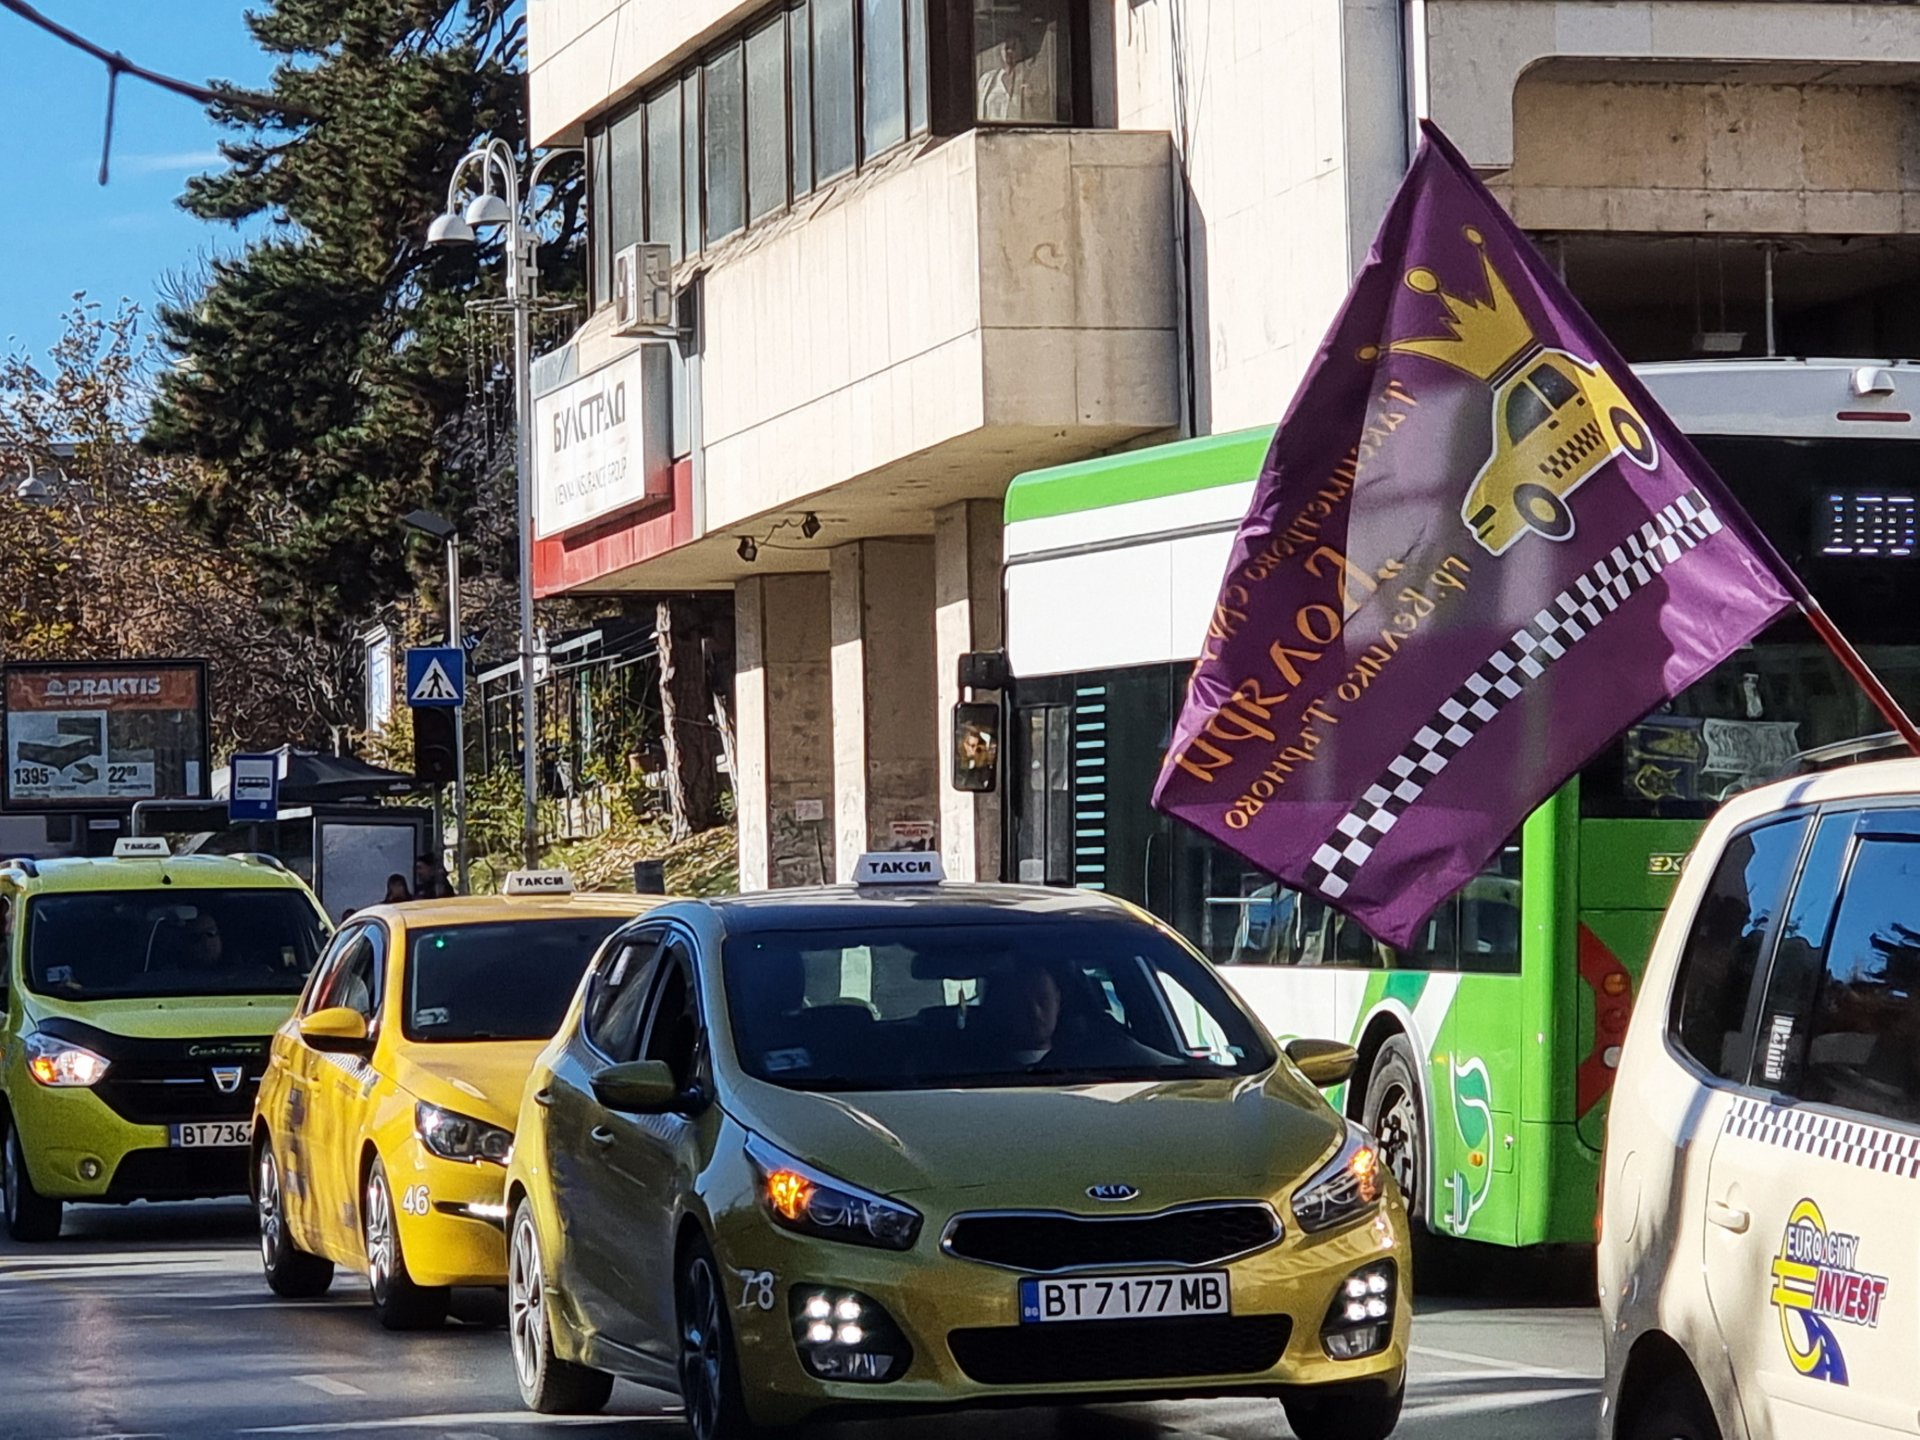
[[643, 289]]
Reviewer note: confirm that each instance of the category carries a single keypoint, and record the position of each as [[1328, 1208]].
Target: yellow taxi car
[[1556, 422], [900, 1146], [385, 1118]]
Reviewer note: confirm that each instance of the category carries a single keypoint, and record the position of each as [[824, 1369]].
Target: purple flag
[[1477, 552]]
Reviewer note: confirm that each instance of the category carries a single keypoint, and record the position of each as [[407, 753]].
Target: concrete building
[[923, 246]]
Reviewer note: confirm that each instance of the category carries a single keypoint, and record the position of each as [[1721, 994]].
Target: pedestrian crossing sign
[[436, 677]]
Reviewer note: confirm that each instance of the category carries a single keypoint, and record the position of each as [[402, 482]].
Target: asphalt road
[[153, 1321]]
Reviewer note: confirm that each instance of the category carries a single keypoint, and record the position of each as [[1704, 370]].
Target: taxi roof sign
[[142, 847], [538, 882], [915, 867]]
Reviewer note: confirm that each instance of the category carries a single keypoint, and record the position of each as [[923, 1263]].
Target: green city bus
[[1487, 1049]]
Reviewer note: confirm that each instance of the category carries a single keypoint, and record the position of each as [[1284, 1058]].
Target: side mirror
[[337, 1030], [1324, 1062], [976, 747], [640, 1087]]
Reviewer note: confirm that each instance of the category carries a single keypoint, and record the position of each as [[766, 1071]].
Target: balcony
[[968, 310]]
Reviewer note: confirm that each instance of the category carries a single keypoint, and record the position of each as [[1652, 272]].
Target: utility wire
[[118, 65]]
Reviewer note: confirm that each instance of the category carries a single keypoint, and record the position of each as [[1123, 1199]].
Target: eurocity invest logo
[[1817, 1281]]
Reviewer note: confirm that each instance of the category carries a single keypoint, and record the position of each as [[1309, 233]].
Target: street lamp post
[[487, 209]]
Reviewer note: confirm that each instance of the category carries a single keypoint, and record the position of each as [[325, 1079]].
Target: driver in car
[[204, 948], [1043, 1017]]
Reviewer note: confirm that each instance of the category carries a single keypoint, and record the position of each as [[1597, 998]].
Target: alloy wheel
[[269, 1207], [701, 1338], [10, 1175], [526, 1302], [380, 1239]]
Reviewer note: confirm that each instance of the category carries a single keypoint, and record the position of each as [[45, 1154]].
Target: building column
[[966, 616], [886, 775], [783, 702]]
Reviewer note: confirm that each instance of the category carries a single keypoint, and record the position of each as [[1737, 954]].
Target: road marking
[[1500, 1399], [327, 1385], [501, 1417], [1509, 1367]]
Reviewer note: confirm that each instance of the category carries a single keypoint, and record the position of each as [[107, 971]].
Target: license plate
[[205, 1134], [1124, 1297]]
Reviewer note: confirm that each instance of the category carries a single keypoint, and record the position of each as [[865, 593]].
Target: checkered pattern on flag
[[1477, 552]]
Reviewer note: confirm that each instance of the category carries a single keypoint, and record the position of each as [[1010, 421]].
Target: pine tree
[[325, 365]]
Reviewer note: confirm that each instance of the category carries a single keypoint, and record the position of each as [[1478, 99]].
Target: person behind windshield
[[1044, 1016], [205, 948]]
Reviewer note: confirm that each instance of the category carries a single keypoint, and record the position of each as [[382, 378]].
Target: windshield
[[109, 944], [916, 1008], [511, 980]]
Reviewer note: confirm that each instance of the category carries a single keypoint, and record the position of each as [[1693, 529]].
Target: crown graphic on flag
[[1487, 336]]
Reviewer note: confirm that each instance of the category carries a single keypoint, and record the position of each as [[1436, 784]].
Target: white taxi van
[[1760, 1219]]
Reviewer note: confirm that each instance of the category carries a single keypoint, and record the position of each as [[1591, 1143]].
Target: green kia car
[[904, 1145]]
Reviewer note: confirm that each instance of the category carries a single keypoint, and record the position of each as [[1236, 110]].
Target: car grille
[[1040, 1243], [1086, 1351], [180, 1174], [148, 1086]]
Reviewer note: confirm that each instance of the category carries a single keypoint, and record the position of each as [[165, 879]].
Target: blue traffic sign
[[253, 787], [437, 677]]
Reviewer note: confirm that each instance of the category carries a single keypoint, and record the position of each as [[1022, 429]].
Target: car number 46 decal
[[416, 1201]]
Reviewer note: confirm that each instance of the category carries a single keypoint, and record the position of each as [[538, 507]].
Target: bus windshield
[[117, 944], [1842, 513]]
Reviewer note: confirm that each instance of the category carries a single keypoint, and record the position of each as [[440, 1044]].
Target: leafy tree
[[325, 365], [109, 567]]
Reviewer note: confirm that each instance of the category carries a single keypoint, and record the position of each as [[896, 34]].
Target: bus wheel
[[1392, 1113], [1633, 437], [1544, 512]]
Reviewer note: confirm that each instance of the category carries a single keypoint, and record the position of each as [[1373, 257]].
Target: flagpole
[[1876, 689]]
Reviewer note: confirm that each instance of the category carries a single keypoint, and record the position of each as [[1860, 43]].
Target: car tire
[[31, 1217], [548, 1384], [1543, 512], [400, 1304], [708, 1363], [1632, 434], [1677, 1410], [291, 1272], [1345, 1412]]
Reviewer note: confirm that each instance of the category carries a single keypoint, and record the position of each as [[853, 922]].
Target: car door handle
[[1729, 1217], [601, 1136], [543, 1098]]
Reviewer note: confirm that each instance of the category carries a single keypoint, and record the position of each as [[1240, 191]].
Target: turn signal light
[[787, 1192]]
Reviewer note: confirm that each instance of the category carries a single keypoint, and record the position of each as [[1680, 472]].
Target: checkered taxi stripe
[[1825, 1137], [1574, 453], [1571, 615]]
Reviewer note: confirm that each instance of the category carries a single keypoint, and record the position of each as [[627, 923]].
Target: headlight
[[453, 1136], [801, 1198], [1345, 1188], [63, 1064]]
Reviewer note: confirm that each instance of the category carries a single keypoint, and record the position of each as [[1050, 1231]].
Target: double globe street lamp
[[486, 210]]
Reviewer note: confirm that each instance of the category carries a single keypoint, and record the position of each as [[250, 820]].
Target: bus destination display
[[1872, 524], [80, 734]]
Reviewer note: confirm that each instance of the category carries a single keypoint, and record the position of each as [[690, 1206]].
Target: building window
[[726, 144], [663, 171], [690, 189], [1022, 59], [766, 120], [800, 84], [917, 103], [599, 231], [834, 135], [624, 198], [883, 75]]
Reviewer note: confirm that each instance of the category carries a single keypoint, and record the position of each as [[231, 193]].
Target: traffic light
[[435, 752]]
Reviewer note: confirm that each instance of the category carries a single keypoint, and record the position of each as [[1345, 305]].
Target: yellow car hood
[[1249, 1135], [480, 1078], [170, 1017]]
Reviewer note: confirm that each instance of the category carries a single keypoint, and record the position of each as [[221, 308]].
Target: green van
[[138, 996]]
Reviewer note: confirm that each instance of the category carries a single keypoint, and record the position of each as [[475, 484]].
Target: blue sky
[[68, 233]]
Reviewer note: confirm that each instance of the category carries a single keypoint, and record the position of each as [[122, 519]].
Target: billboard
[[87, 734]]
